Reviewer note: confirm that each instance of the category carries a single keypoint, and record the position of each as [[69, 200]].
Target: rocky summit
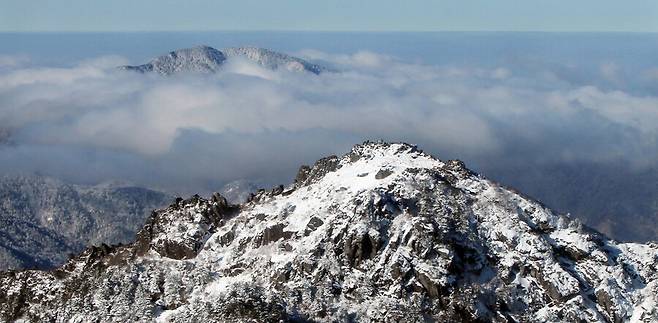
[[386, 233], [205, 59]]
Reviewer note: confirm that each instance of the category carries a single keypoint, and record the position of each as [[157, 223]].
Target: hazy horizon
[[338, 15]]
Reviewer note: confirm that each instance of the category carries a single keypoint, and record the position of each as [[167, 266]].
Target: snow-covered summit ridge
[[273, 60], [383, 233], [202, 59], [205, 59]]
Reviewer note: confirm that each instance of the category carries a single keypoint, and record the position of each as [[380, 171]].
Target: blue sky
[[333, 15]]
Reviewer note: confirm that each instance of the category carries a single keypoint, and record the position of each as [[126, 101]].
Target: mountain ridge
[[385, 232], [206, 59], [45, 219]]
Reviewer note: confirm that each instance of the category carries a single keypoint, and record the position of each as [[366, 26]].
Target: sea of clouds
[[92, 122]]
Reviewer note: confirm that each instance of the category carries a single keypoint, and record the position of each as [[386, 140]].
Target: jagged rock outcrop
[[385, 233], [205, 59]]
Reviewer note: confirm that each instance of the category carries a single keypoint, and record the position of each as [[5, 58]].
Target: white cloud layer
[[92, 122]]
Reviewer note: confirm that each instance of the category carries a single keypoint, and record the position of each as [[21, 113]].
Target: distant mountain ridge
[[205, 59], [43, 219]]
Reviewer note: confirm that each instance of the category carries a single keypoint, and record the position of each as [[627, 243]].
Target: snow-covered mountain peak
[[273, 60], [383, 233], [205, 59]]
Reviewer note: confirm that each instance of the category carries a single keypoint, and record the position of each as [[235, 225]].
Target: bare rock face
[[179, 231], [307, 175], [384, 233]]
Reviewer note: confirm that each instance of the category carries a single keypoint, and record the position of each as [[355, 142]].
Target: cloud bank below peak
[[92, 122]]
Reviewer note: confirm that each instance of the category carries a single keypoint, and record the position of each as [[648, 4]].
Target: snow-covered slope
[[273, 60], [384, 233], [205, 59], [202, 59]]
